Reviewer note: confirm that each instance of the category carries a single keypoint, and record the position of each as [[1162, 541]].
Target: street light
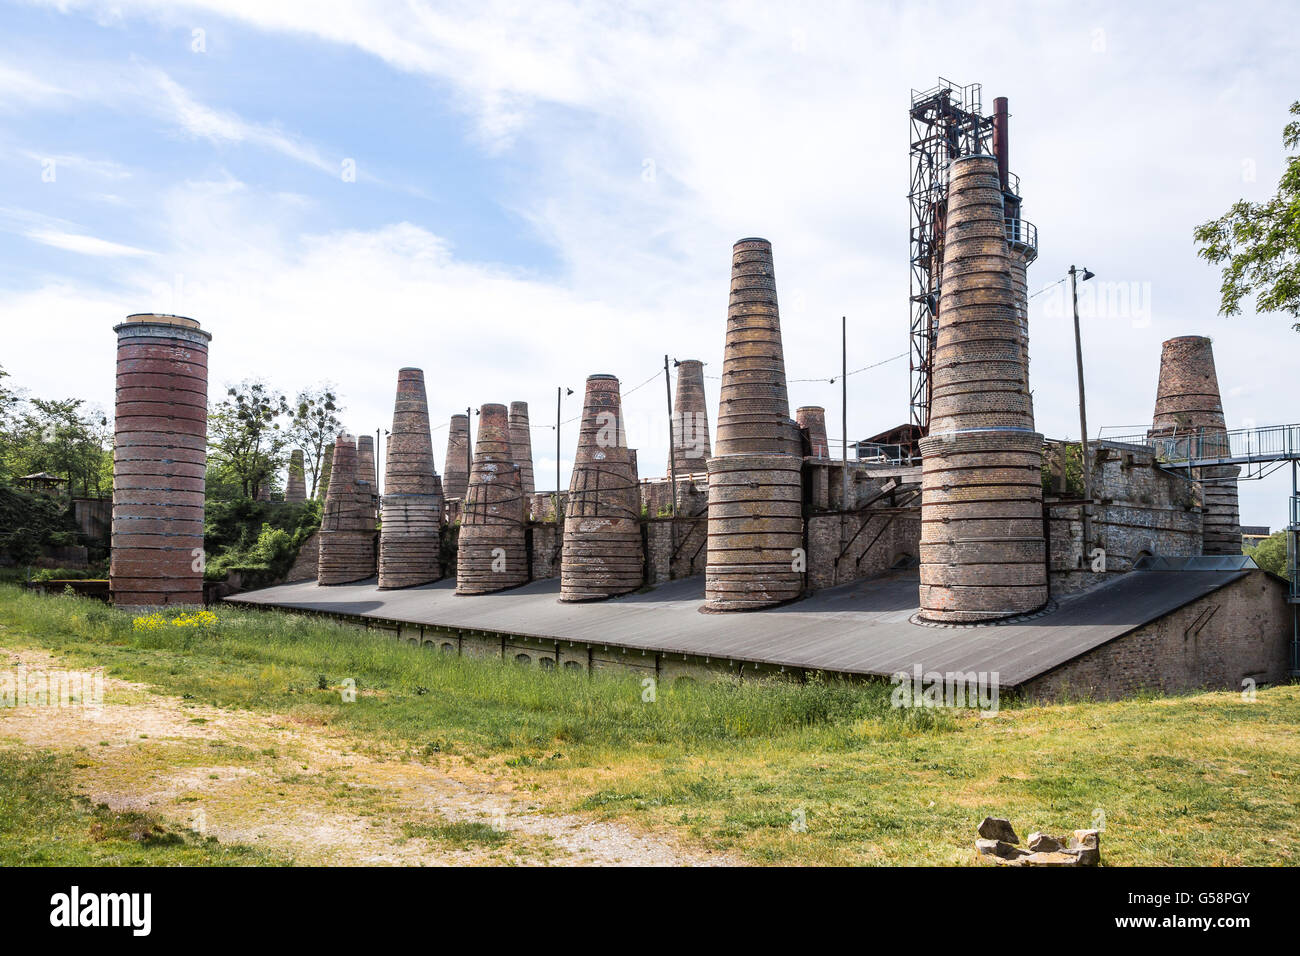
[[1083, 409], [560, 392]]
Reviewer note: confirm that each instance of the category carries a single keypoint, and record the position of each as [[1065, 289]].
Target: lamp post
[[379, 448], [1083, 410], [560, 392]]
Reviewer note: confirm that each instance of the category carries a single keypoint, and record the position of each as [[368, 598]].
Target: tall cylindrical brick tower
[[296, 489], [347, 527], [455, 467], [754, 415], [690, 423], [1188, 406], [159, 458], [409, 538], [521, 444], [755, 524], [491, 552], [601, 555], [1019, 261], [366, 469], [982, 544], [326, 464], [812, 419]]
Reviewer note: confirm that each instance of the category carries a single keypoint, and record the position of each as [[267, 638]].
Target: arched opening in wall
[[1144, 553], [448, 648], [573, 666], [546, 663], [904, 560], [523, 659]]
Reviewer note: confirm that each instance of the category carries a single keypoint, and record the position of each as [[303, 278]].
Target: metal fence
[[1270, 443]]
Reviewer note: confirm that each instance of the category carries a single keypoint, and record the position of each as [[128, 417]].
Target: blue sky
[[549, 191]]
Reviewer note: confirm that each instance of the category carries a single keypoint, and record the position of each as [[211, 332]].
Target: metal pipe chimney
[[1000, 116]]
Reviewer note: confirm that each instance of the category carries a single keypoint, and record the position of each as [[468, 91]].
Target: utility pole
[[1083, 415], [844, 412], [672, 449], [469, 441], [560, 392]]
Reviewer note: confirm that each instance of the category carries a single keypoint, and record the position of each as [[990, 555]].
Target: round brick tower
[[754, 417], [601, 556], [755, 519], [1188, 406], [409, 538], [1019, 262], [326, 464], [812, 419], [347, 527], [521, 444], [455, 467], [367, 470], [491, 553], [982, 545], [690, 423], [159, 458], [296, 489]]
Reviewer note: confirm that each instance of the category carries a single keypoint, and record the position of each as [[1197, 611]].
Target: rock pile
[[998, 841]]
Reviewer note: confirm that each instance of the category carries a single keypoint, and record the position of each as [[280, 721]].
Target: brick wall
[[1138, 509], [675, 548], [547, 540], [1242, 630], [886, 536]]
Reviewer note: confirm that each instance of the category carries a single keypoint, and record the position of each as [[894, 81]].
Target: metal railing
[[1293, 563], [1204, 447], [875, 452], [1023, 233]]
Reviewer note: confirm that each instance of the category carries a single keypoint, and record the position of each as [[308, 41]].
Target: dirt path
[[307, 791]]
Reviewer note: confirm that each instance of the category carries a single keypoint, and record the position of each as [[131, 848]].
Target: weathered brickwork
[[983, 554], [1189, 408], [675, 548], [1238, 633], [307, 565], [861, 544], [690, 421], [1140, 509], [546, 540], [159, 456]]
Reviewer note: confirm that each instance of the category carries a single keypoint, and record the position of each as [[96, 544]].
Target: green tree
[[9, 403], [1260, 243], [246, 437], [1270, 554], [313, 427], [65, 437]]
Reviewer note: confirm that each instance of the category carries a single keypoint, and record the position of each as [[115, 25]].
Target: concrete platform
[[862, 628]]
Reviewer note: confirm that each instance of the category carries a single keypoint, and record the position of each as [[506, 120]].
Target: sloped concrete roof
[[859, 628]]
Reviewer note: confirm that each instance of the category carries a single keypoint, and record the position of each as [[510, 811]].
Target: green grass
[[43, 822], [1201, 778], [460, 834]]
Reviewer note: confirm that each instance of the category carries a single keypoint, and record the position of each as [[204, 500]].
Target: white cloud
[[223, 126], [85, 245], [779, 120], [21, 87]]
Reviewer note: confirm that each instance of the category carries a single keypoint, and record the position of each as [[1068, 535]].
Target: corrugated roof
[[858, 628]]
